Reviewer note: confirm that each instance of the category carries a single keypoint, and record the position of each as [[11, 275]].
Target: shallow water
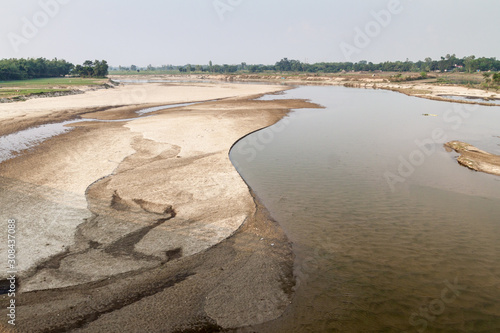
[[163, 107], [390, 233], [13, 144], [468, 98]]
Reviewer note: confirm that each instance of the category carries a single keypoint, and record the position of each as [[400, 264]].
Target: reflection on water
[[420, 256], [12, 144]]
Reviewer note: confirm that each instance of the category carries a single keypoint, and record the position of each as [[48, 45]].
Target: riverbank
[[428, 88], [22, 90], [144, 223], [474, 158]]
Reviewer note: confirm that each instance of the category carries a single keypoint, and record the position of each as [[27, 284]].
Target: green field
[[49, 82], [16, 89], [9, 93]]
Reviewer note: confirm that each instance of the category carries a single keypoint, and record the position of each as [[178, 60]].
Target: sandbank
[[143, 223]]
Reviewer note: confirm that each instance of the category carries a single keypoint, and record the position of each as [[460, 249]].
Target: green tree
[[469, 63], [100, 68], [283, 65], [428, 64], [496, 78], [92, 69]]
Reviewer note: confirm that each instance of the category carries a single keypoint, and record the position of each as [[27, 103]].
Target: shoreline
[[417, 88], [169, 235], [474, 158], [200, 276]]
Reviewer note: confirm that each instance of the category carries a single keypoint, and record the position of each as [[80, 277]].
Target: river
[[390, 233]]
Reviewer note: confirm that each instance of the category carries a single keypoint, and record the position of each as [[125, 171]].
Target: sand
[[144, 223], [19, 115], [475, 158], [412, 88]]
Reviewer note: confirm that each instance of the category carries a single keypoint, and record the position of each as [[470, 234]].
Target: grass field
[[9, 93], [16, 89], [50, 82]]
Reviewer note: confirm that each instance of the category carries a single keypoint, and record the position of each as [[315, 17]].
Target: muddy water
[[390, 233]]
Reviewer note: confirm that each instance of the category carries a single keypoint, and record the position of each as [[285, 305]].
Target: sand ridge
[[474, 158], [108, 206]]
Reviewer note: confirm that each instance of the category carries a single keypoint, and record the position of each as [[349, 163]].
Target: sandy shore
[[144, 223], [475, 158], [417, 88], [20, 115]]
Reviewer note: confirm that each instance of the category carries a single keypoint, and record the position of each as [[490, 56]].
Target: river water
[[390, 233], [13, 144]]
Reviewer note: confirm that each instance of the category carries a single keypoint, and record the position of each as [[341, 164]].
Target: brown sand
[[421, 89], [475, 158], [144, 225], [20, 115]]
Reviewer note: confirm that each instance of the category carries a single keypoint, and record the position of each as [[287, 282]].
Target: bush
[[496, 78]]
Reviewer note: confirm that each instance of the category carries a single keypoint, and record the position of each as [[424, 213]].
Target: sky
[[180, 32]]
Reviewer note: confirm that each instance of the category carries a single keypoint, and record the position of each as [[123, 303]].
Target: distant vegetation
[[92, 69], [24, 69], [448, 63], [445, 64]]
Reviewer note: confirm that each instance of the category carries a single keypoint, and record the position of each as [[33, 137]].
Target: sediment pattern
[[166, 237]]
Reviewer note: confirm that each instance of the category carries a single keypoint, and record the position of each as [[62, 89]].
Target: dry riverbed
[[144, 224]]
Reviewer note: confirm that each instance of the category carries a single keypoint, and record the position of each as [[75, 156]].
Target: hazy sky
[[178, 32]]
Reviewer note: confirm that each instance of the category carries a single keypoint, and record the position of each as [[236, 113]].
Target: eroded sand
[[475, 158], [128, 224]]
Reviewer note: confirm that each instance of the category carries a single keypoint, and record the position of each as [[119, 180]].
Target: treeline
[[445, 64], [92, 69], [184, 69], [23, 69]]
